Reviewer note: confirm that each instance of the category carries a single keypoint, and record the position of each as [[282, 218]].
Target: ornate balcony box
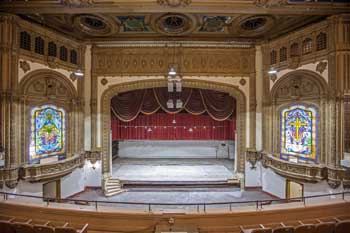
[[296, 171]]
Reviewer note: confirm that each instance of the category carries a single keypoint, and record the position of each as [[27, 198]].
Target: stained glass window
[[47, 132], [298, 133]]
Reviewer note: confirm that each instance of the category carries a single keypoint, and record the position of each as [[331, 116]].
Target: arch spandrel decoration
[[124, 87], [46, 87]]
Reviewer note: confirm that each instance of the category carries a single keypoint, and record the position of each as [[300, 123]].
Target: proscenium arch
[[190, 83], [318, 101], [69, 102]]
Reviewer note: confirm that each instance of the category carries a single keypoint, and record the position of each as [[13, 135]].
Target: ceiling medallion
[[174, 24], [252, 25], [174, 3], [94, 25]]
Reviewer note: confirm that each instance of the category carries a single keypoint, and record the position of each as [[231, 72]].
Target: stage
[[176, 171]]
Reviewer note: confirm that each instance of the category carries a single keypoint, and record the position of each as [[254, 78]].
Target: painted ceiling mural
[[246, 28]]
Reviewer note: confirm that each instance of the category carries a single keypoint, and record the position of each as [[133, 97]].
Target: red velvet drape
[[160, 126], [218, 105]]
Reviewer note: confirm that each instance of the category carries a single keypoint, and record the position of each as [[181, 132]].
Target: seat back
[[6, 227], [325, 227], [283, 230], [43, 229], [65, 230], [342, 227], [23, 227], [306, 228], [262, 230]]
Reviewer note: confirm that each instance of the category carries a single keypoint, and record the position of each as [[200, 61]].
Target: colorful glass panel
[[298, 133], [47, 132]]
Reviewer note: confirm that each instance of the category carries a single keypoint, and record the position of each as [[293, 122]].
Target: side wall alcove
[[306, 89], [128, 86], [50, 88]]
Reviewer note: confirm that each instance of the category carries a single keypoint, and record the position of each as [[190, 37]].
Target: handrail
[[258, 203]]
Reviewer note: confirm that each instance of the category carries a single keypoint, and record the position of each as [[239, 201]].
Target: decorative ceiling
[[226, 20]]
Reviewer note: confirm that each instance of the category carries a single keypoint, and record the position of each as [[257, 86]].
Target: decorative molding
[[270, 3], [298, 171], [93, 156], [78, 3], [242, 81], [321, 66], [24, 66], [174, 3], [9, 177], [252, 156], [294, 171], [116, 61], [104, 81]]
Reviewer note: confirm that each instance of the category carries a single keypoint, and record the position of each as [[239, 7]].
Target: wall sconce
[[272, 74]]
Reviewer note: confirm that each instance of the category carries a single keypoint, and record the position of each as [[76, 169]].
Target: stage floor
[[173, 170]]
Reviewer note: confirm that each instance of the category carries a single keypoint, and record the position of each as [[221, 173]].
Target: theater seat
[[284, 229], [43, 229], [342, 226], [66, 229], [305, 228], [23, 227], [257, 230], [325, 227], [6, 227]]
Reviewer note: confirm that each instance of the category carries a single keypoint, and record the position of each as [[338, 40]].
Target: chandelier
[[174, 83]]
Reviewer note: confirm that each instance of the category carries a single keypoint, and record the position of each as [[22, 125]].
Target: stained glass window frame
[[34, 157], [292, 156]]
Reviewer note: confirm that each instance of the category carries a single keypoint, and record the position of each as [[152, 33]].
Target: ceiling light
[[170, 103], [179, 103], [172, 71]]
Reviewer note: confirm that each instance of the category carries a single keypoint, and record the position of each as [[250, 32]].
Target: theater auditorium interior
[[182, 116]]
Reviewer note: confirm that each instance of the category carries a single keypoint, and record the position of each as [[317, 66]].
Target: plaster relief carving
[[77, 3], [270, 3], [104, 81], [24, 66], [242, 81], [321, 66], [174, 3]]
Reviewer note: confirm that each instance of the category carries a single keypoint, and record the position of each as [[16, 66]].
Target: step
[[108, 194]]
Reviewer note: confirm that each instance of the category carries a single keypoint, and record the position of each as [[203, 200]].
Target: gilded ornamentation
[[242, 81], [24, 66], [78, 3], [73, 77], [321, 66], [252, 156], [174, 3], [104, 81], [150, 61], [273, 77], [270, 3], [174, 24]]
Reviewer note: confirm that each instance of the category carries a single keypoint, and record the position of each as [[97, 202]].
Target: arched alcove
[[307, 91], [50, 88]]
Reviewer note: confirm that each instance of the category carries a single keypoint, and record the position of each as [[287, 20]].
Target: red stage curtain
[[187, 127], [127, 106]]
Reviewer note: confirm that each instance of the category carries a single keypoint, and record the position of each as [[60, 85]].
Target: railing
[[199, 207]]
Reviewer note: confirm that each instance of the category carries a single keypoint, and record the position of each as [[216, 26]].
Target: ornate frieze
[[116, 61], [174, 3]]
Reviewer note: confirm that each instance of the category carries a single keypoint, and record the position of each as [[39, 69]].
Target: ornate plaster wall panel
[[114, 61]]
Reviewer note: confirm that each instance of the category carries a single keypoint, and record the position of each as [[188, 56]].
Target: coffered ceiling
[[222, 20]]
